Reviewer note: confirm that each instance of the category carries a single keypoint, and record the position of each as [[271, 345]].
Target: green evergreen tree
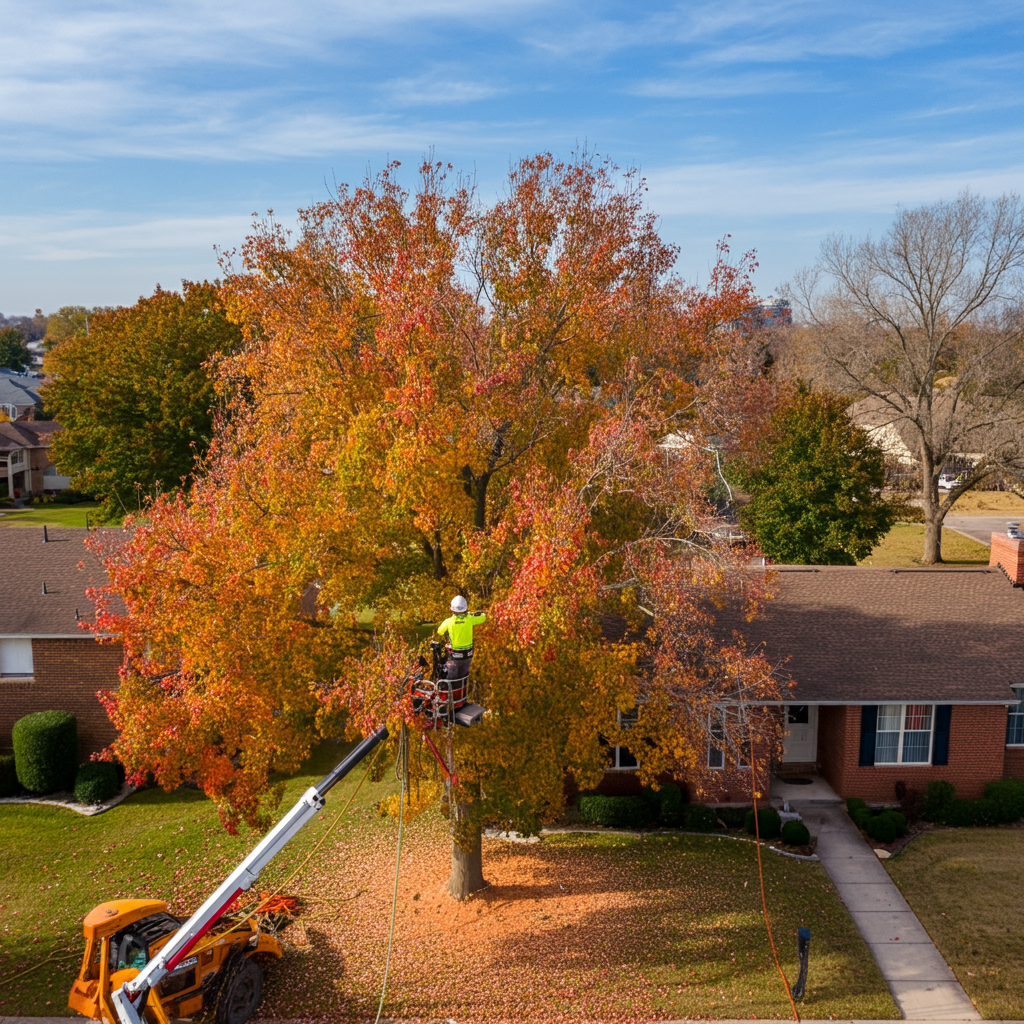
[[816, 481]]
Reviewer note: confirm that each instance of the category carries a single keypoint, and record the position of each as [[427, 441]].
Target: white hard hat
[[459, 604]]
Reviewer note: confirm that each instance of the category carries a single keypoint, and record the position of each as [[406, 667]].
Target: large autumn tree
[[134, 393], [435, 396]]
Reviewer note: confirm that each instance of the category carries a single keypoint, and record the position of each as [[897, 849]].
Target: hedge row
[[1002, 803], [666, 807]]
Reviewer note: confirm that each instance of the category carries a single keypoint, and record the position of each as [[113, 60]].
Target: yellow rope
[[49, 960], [403, 758], [337, 818]]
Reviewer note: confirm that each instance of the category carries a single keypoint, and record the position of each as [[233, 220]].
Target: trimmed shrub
[[46, 751], [769, 823], [936, 797], [854, 804], [96, 782], [881, 828], [794, 833], [9, 785], [699, 818], [733, 818], [898, 821], [615, 811], [670, 804], [1008, 796], [862, 816], [970, 813]]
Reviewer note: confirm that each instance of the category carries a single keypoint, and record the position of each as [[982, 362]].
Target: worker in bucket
[[459, 630]]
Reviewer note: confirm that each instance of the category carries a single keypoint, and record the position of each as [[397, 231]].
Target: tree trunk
[[435, 554], [932, 540], [933, 516], [480, 520], [467, 855]]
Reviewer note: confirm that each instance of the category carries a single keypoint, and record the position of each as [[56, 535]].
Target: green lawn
[[903, 544], [965, 886], [604, 926], [51, 515]]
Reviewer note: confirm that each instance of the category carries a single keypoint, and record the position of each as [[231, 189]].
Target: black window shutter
[[940, 748], [868, 724]]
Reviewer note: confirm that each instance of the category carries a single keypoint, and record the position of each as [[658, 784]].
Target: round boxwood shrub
[[898, 820], [9, 785], [1008, 796], [881, 828], [862, 816], [96, 782], [854, 804], [699, 818], [46, 751], [794, 833], [769, 823]]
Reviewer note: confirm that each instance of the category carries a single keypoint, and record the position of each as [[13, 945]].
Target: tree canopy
[[438, 396], [925, 325], [13, 353], [71, 322], [135, 395], [816, 483]]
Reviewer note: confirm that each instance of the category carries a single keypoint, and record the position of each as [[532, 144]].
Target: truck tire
[[240, 994]]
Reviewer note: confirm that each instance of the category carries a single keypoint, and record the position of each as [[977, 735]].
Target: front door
[[800, 740]]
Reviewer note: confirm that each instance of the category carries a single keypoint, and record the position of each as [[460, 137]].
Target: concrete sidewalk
[[919, 979]]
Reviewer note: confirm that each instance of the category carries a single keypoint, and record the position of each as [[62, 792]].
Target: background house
[[25, 466], [47, 661], [19, 394]]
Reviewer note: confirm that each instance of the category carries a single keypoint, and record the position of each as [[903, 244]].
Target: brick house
[[905, 675], [47, 662], [898, 675]]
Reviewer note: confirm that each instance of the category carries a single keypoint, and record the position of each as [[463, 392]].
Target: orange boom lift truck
[[142, 964]]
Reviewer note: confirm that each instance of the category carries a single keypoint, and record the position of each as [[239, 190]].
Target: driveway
[[980, 528]]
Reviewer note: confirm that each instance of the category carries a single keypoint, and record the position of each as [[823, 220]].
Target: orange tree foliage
[[438, 395]]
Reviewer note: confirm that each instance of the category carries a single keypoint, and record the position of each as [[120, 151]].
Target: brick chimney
[[1008, 554]]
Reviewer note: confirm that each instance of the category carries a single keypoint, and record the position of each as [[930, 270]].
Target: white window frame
[[903, 730], [1015, 719], [624, 720], [16, 658], [716, 750]]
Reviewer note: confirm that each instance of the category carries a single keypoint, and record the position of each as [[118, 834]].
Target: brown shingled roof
[[26, 563], [866, 635]]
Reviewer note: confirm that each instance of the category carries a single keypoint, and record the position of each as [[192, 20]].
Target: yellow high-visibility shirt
[[460, 629]]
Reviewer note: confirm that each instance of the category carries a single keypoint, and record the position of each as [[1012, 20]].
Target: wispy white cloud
[[873, 180], [86, 235], [700, 85], [436, 88]]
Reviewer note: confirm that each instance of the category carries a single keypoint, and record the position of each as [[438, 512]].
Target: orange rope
[[760, 875]]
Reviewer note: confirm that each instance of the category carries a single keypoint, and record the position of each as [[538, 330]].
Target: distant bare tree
[[925, 326]]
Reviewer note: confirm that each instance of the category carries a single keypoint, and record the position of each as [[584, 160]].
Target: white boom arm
[[130, 997]]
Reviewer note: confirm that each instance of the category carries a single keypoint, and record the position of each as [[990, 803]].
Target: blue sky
[[138, 136]]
